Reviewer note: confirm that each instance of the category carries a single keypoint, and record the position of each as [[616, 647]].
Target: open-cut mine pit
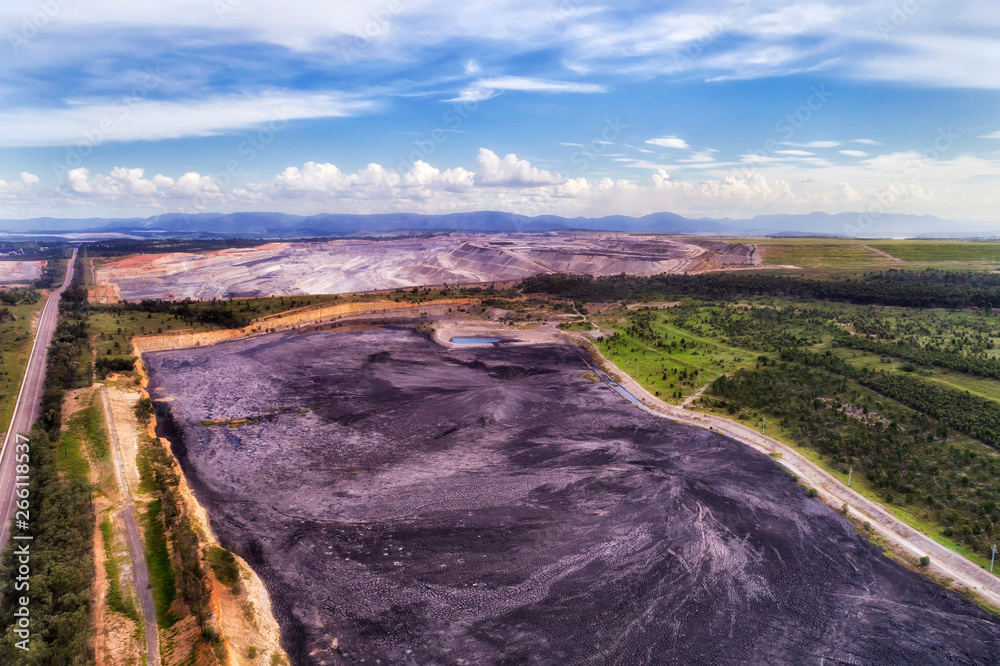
[[410, 504], [21, 271], [345, 266]]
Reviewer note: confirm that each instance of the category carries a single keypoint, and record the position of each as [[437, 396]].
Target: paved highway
[[29, 400]]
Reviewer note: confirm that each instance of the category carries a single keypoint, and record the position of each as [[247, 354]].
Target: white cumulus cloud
[[510, 171], [669, 142]]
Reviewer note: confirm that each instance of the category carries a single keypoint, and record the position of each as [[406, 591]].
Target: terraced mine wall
[[410, 504], [359, 265], [284, 322]]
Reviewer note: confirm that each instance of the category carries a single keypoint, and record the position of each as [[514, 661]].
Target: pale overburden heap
[[346, 266]]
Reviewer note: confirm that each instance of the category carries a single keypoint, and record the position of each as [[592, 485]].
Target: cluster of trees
[[760, 329], [641, 326], [69, 343], [871, 324], [18, 296], [106, 366], [641, 329], [928, 356], [51, 275], [900, 288], [49, 279], [225, 567], [901, 452], [62, 566], [191, 311], [970, 414]]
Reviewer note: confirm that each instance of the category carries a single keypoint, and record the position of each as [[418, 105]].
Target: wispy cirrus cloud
[[489, 87], [671, 141], [812, 144], [153, 120]]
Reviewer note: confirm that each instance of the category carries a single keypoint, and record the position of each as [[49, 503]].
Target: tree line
[[972, 415], [160, 476], [899, 288], [62, 524], [928, 356], [903, 453], [187, 309]]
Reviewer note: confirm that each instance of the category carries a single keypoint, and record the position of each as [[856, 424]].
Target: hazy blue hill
[[269, 225]]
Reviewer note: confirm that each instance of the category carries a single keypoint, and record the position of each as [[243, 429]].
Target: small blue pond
[[474, 341]]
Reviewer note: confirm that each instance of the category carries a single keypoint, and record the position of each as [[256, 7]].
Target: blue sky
[[574, 107]]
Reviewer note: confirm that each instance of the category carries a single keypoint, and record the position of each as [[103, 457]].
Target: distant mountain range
[[280, 225]]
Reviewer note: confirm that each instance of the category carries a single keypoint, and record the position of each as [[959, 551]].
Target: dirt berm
[[283, 322]]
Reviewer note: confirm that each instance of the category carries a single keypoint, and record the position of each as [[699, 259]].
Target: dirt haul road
[[135, 543]]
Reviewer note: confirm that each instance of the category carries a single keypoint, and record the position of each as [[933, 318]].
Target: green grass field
[[830, 257], [935, 251], [161, 574], [15, 346], [672, 374], [71, 456], [986, 388], [816, 253]]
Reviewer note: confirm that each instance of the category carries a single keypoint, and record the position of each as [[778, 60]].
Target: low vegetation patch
[[225, 567], [161, 573], [117, 601], [186, 577]]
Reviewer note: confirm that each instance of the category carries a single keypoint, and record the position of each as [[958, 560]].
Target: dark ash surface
[[490, 506]]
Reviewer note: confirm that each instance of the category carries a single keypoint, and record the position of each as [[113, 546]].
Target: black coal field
[[410, 504]]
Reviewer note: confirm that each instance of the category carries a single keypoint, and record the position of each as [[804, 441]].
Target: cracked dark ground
[[492, 506]]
